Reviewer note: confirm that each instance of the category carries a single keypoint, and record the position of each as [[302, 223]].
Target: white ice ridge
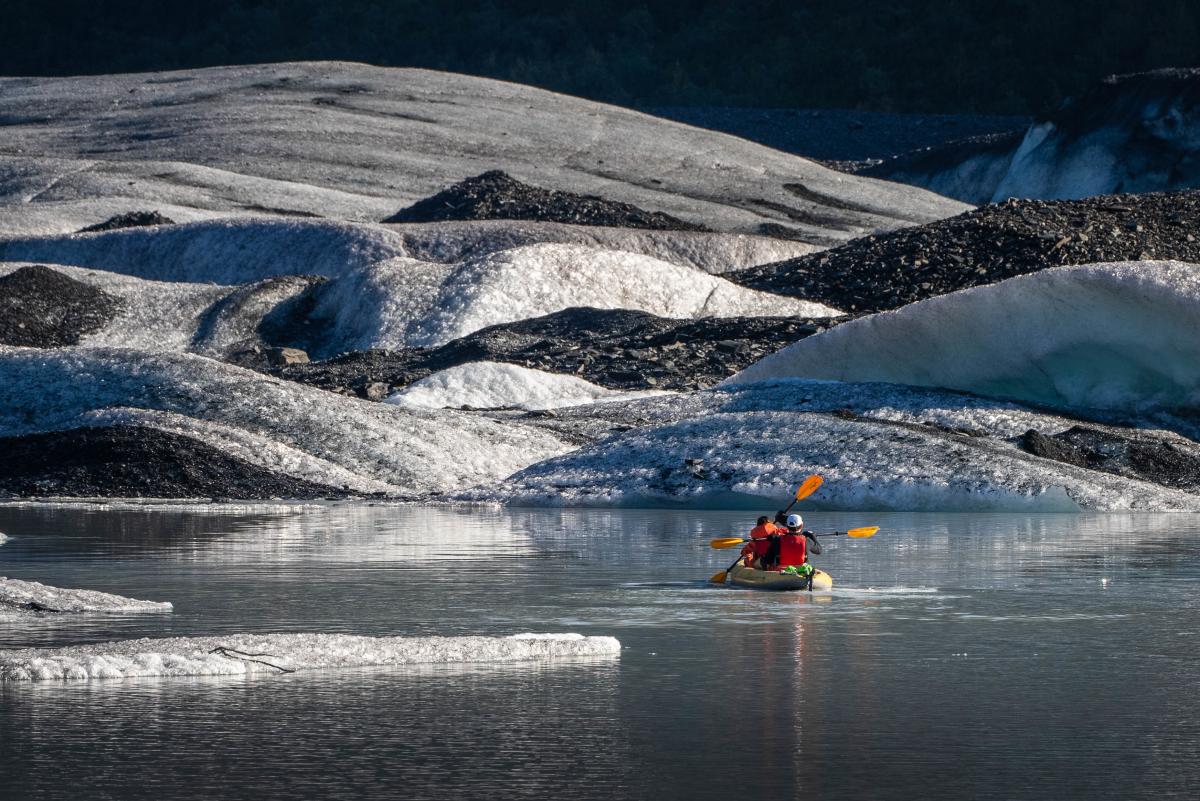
[[233, 251], [3, 538], [23, 598], [241, 654], [879, 447], [283, 426], [492, 385], [1115, 336], [410, 303], [402, 135]]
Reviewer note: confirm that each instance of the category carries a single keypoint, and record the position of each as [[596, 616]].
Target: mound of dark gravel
[[986, 245], [137, 462], [496, 195], [614, 348], [1149, 456], [132, 219], [42, 308]]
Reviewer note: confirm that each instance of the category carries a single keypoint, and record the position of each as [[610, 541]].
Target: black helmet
[[762, 521]]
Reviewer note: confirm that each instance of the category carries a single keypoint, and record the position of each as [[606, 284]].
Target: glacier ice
[[232, 251], [879, 447], [404, 302], [1105, 336], [491, 385], [280, 425], [245, 654], [258, 138], [19, 599]]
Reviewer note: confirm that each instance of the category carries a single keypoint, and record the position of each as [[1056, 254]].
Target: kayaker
[[759, 539], [791, 546]]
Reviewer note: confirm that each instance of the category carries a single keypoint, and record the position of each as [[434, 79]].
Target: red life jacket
[[793, 550]]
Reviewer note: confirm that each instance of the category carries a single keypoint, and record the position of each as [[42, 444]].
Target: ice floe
[[244, 654], [354, 142], [285, 427], [20, 599], [881, 447], [404, 302], [1106, 336], [491, 385]]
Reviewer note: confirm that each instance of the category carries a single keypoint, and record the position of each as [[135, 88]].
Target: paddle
[[808, 487], [856, 533]]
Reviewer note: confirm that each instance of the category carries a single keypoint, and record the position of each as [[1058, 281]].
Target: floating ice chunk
[[23, 598], [1107, 336], [404, 302], [3, 538], [238, 654], [491, 385]]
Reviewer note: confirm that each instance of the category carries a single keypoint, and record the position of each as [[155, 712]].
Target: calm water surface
[[960, 656]]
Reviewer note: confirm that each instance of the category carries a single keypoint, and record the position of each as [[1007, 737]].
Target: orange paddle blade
[[726, 542], [862, 533], [809, 487]]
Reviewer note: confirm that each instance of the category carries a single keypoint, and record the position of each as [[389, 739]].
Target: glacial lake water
[[959, 656]]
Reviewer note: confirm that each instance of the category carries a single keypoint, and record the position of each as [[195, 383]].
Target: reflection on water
[[960, 656]]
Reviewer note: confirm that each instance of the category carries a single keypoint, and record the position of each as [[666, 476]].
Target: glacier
[[250, 654], [404, 302], [283, 426], [492, 385], [20, 599], [879, 447], [1116, 336], [355, 142]]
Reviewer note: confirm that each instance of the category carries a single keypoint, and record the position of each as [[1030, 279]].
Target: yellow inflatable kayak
[[744, 576]]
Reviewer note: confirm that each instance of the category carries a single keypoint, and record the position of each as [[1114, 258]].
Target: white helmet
[[795, 521]]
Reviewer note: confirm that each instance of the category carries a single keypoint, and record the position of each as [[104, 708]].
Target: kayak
[[744, 576]]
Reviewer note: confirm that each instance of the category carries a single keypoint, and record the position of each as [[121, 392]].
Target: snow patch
[[246, 654], [1105, 336], [19, 599], [491, 385]]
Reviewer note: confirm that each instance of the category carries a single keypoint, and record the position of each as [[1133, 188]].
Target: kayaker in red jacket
[[759, 539], [790, 547]]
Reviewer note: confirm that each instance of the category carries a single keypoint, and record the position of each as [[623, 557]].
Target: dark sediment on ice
[[1150, 456], [132, 219], [989, 244], [138, 462], [496, 195], [614, 348], [42, 308]]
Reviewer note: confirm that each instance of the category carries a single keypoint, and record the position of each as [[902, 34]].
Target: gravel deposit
[[617, 349], [42, 308], [989, 244], [495, 195], [137, 462], [1161, 457], [132, 219]]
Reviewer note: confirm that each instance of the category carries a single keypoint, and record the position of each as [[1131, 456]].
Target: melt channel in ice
[[241, 654], [1117, 336], [19, 599], [492, 385]]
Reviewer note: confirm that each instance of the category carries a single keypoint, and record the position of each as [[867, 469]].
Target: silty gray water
[[985, 656]]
